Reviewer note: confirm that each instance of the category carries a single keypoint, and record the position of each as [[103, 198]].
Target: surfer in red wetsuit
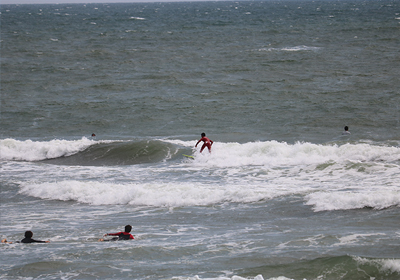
[[123, 235], [207, 142]]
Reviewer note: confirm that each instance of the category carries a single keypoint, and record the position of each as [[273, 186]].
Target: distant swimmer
[[123, 235], [28, 239], [346, 131], [207, 142], [93, 135]]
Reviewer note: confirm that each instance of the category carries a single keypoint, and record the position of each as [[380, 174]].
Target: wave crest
[[329, 201], [87, 152], [28, 150], [148, 194]]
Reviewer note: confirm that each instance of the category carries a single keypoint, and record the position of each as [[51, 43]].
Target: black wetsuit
[[125, 236], [121, 236], [30, 240]]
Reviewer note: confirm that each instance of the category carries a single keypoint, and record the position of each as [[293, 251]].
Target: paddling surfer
[[123, 235], [28, 239]]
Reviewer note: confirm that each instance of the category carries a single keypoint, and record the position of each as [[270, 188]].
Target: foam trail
[[291, 49], [258, 277]]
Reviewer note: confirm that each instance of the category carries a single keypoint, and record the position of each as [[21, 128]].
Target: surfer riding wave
[[207, 142]]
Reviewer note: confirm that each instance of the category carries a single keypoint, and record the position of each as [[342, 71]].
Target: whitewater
[[328, 177]]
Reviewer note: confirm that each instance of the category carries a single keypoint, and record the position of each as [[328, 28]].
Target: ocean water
[[283, 195]]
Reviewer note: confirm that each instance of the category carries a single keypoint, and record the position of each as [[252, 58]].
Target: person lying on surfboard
[[123, 235], [207, 142], [28, 239]]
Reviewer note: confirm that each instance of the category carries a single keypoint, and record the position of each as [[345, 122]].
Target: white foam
[[28, 150], [387, 265], [329, 177], [268, 153], [354, 238], [276, 154], [300, 48], [344, 200], [291, 49], [149, 194], [180, 142], [258, 277]]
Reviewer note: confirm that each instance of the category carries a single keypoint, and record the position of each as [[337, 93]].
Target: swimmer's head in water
[[128, 228]]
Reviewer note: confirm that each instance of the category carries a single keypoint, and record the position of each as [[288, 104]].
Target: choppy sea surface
[[283, 195]]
